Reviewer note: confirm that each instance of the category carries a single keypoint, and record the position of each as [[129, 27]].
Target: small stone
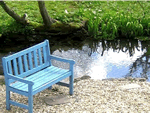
[[77, 79], [2, 77], [85, 77], [56, 100], [142, 79], [109, 79], [82, 78], [121, 79], [129, 78]]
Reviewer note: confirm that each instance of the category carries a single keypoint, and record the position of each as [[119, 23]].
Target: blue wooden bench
[[31, 71]]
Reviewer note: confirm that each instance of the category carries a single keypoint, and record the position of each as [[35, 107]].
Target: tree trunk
[[46, 18], [12, 13]]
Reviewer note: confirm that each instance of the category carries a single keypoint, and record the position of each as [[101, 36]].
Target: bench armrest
[[10, 76], [62, 59]]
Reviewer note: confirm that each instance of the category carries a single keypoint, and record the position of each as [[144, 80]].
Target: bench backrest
[[28, 61]]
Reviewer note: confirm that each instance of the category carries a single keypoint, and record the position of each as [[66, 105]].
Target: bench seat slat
[[31, 71], [46, 77], [51, 82], [37, 75]]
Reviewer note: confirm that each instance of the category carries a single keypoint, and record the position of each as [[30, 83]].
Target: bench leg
[[71, 85], [30, 99], [7, 99], [30, 103]]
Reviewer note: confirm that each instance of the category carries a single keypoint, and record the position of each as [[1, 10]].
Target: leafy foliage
[[106, 19]]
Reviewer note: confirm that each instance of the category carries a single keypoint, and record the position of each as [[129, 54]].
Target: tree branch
[[12, 13], [46, 18]]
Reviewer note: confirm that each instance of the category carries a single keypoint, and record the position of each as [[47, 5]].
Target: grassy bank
[[106, 20]]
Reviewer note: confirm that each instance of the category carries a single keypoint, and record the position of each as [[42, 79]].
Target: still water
[[103, 59]]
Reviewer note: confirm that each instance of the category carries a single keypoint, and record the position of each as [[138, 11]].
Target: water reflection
[[120, 58], [140, 68], [115, 64], [103, 59], [110, 59]]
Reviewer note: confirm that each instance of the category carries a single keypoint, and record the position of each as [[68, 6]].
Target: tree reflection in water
[[131, 55], [140, 67]]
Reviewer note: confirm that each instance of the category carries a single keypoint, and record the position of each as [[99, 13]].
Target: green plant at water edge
[[93, 23], [142, 38], [148, 51], [108, 27], [146, 25], [120, 23], [93, 27], [112, 26]]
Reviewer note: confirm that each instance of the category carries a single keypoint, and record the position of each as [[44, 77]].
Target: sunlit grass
[[106, 19]]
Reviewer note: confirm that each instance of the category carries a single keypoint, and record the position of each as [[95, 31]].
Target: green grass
[[106, 20]]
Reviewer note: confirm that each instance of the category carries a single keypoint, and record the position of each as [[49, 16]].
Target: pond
[[99, 59]]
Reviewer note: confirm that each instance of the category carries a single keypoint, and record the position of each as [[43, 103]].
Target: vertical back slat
[[25, 62], [20, 65], [48, 52], [40, 57], [9, 67], [30, 61], [35, 58], [44, 54], [15, 67]]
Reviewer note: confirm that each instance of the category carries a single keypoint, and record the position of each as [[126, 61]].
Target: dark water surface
[[99, 59]]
